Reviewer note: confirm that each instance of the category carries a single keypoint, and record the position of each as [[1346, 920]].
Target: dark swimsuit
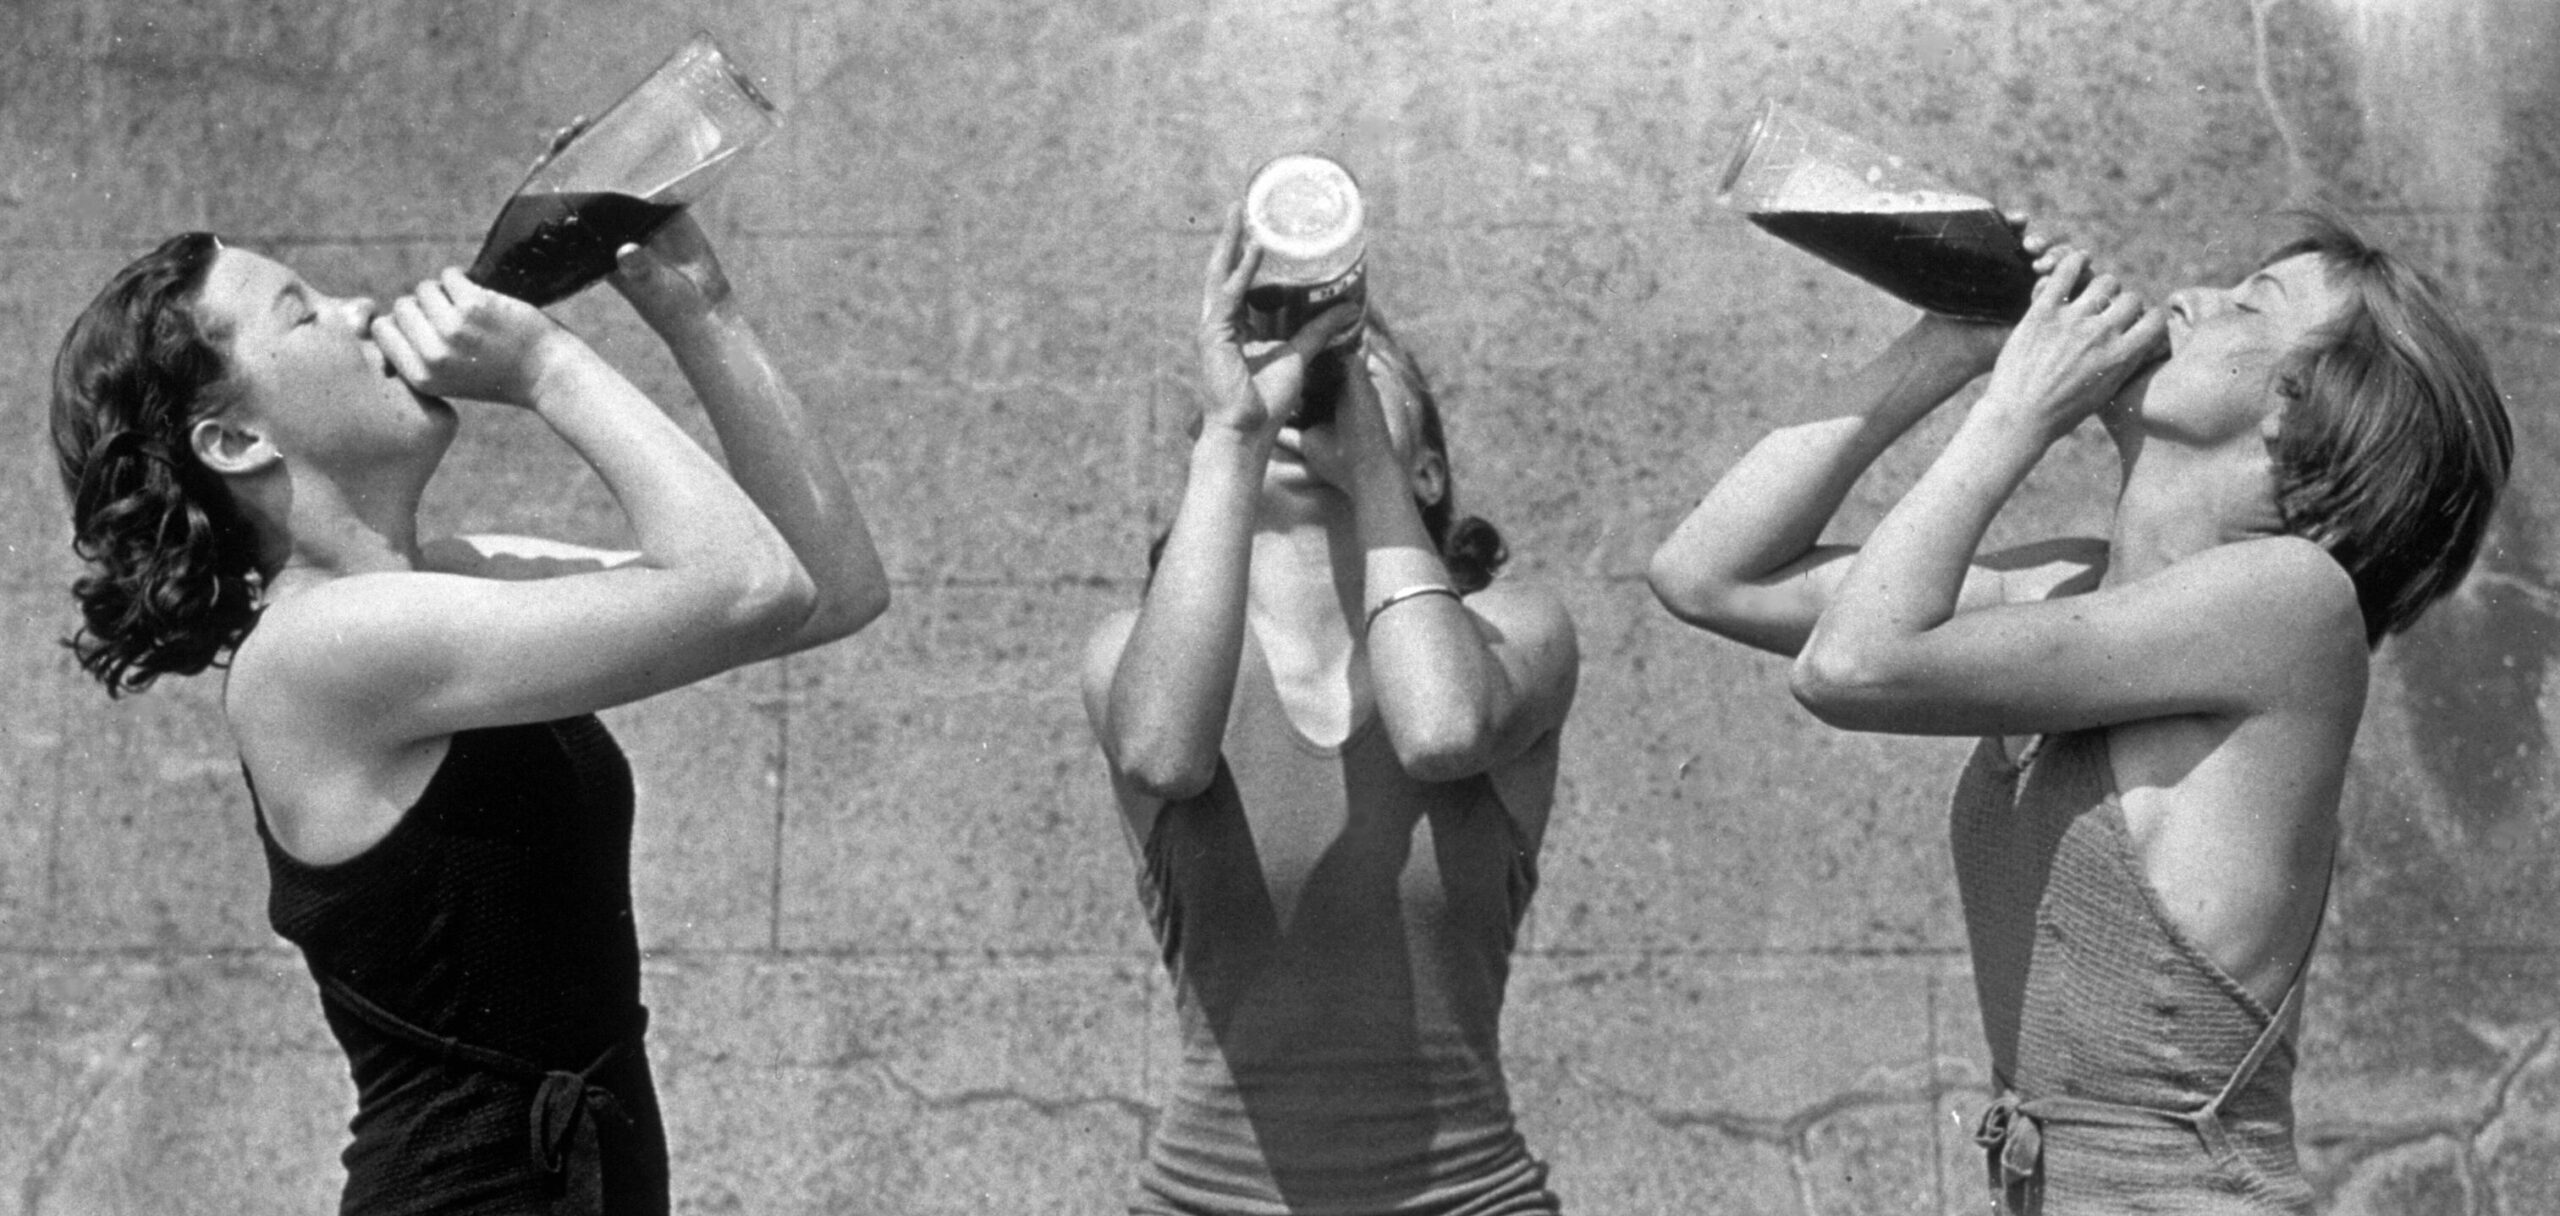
[[480, 968]]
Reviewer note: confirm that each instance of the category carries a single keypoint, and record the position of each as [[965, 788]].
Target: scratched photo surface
[[896, 959]]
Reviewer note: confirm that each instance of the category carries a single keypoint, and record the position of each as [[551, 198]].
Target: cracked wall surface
[[896, 962]]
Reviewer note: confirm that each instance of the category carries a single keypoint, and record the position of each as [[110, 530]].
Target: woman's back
[[497, 916]]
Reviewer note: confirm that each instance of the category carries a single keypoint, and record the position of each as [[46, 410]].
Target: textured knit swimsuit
[[1339, 937], [2137, 1076], [480, 968]]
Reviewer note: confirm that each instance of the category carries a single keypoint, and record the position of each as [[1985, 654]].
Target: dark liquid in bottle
[[1962, 264], [1274, 312], [545, 247]]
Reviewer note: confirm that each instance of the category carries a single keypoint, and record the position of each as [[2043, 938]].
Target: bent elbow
[[1168, 778], [1450, 751], [771, 598], [845, 614], [1687, 596], [1703, 601], [1839, 689]]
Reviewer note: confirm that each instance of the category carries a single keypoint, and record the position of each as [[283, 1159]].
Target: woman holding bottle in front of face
[[446, 824], [2144, 837], [1334, 741]]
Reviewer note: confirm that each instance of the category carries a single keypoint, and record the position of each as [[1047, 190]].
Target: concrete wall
[[895, 954]]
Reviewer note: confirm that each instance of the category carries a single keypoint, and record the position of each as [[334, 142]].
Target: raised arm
[[1747, 562], [373, 660], [1463, 687], [677, 285], [1157, 684], [2219, 631]]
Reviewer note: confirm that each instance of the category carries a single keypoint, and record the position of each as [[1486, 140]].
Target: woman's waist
[[1354, 1157], [2167, 1062], [530, 1031], [1398, 1107]]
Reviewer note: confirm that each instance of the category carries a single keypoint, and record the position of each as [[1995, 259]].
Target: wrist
[[2002, 426], [699, 331], [557, 368], [1226, 450]]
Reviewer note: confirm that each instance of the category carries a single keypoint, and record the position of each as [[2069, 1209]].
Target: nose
[[361, 310], [2193, 304]]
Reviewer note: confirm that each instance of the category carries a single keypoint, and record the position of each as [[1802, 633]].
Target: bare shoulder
[[2285, 591], [517, 558], [1523, 612], [1533, 635], [313, 700], [2284, 572], [329, 653]]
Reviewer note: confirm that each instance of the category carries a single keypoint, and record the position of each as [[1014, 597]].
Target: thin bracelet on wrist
[[1416, 591]]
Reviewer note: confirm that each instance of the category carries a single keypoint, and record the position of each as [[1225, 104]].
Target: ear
[[1430, 476], [231, 448]]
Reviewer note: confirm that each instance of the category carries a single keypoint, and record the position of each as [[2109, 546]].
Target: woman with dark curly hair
[[1334, 742], [447, 826], [2144, 837]]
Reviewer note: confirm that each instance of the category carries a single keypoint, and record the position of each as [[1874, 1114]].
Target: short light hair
[[2394, 442]]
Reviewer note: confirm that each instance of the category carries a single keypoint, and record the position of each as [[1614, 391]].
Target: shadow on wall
[[2472, 678]]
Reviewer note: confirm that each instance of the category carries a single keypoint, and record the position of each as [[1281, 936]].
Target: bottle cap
[[1306, 214]]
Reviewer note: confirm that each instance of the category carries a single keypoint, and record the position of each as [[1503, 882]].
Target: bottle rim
[[1743, 150], [1296, 167]]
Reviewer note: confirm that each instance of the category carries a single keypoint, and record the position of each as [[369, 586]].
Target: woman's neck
[[1305, 583], [330, 535], [2177, 502]]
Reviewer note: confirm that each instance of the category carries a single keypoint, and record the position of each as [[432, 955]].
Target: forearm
[[784, 466], [1169, 696], [685, 512], [1771, 508], [1910, 575], [1442, 693]]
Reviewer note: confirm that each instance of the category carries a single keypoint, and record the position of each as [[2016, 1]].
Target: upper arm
[[1101, 667], [383, 659], [1777, 613], [1532, 639], [526, 558], [2233, 630]]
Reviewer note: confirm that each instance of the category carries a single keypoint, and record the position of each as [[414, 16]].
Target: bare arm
[[2219, 632], [1462, 688], [383, 659], [676, 284], [1747, 562], [1164, 711]]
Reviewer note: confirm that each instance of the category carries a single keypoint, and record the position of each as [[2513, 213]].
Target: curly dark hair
[[173, 575], [1472, 547]]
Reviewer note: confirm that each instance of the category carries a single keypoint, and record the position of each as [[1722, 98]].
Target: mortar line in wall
[[781, 800], [1937, 1085], [1140, 955], [53, 841]]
